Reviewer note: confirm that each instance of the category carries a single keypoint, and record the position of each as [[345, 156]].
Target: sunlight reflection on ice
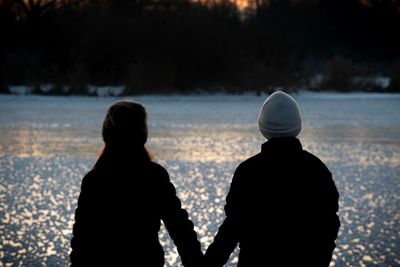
[[47, 145]]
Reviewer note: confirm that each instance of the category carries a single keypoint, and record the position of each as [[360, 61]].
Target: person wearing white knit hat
[[279, 116], [282, 203]]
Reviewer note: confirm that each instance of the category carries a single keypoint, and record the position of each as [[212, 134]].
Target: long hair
[[124, 133], [125, 124]]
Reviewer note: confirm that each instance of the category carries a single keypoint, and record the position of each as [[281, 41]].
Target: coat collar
[[281, 145]]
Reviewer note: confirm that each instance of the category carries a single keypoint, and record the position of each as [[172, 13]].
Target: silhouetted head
[[125, 125], [279, 116]]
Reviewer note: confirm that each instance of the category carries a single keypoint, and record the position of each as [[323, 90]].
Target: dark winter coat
[[117, 220], [281, 209]]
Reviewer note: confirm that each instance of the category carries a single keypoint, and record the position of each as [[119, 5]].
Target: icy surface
[[47, 144]]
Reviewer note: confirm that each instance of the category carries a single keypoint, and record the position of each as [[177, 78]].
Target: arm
[[333, 221], [227, 237], [179, 227], [82, 225], [328, 222]]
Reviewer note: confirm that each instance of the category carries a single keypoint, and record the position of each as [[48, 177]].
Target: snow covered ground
[[48, 143]]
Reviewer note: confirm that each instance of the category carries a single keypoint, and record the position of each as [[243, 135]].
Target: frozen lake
[[47, 144]]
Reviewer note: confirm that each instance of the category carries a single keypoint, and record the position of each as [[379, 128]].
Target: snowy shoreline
[[220, 95]]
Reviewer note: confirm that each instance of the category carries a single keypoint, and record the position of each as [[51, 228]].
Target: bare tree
[[34, 9]]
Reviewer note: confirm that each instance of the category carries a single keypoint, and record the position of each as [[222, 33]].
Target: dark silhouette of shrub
[[339, 74], [394, 85]]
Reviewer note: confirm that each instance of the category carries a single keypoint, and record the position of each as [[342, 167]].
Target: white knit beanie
[[279, 116]]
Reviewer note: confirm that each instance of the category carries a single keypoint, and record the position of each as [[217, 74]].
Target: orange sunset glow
[[242, 4]]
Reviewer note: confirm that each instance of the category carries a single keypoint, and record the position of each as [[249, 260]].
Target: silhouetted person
[[124, 197], [282, 204]]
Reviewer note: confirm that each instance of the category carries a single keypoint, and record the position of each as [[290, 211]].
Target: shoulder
[[89, 178], [316, 163], [250, 163], [158, 170], [159, 179], [90, 185], [323, 176]]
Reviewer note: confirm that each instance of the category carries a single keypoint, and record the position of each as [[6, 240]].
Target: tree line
[[162, 46]]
